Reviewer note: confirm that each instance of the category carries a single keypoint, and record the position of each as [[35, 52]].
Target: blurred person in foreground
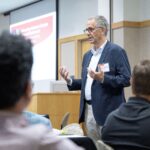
[[105, 73], [16, 61], [127, 128]]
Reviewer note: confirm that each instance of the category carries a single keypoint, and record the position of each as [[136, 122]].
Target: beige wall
[[131, 30], [135, 40], [132, 44], [144, 43]]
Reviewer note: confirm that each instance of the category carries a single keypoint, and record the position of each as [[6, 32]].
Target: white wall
[[118, 10], [103, 8], [73, 15], [128, 10], [144, 9], [4, 23], [131, 10]]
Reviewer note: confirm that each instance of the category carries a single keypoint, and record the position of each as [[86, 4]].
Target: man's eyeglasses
[[89, 30]]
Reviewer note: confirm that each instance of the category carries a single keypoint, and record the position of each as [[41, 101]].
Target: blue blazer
[[106, 96]]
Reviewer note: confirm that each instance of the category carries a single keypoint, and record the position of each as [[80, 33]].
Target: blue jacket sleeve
[[76, 85]]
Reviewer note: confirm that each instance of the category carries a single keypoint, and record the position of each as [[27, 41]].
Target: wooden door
[[85, 46]]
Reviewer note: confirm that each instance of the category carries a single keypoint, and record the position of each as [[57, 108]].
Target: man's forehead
[[91, 22]]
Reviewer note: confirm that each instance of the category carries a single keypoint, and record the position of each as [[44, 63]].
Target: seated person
[[34, 118], [16, 61], [127, 128]]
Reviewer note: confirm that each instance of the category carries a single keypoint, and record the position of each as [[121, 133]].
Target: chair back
[[84, 142], [65, 119], [102, 146]]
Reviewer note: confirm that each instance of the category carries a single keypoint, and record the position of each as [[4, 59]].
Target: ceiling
[[7, 5]]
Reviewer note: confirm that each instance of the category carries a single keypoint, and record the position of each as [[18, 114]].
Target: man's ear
[[28, 92], [132, 85], [103, 31], [25, 98]]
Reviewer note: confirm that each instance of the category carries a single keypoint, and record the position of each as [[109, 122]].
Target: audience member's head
[[141, 78], [16, 61], [126, 126], [15, 71]]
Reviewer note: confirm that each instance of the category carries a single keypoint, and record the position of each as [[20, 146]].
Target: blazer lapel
[[87, 61], [104, 53], [88, 58]]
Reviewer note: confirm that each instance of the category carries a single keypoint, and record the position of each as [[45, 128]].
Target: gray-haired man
[[105, 73]]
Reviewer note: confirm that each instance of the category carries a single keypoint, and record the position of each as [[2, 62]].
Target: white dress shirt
[[93, 65]]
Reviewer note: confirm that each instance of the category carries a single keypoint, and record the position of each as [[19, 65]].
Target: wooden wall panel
[[56, 105]]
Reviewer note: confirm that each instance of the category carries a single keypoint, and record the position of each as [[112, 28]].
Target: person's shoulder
[[54, 142], [35, 132], [118, 112], [29, 136], [115, 46], [113, 114], [41, 138], [88, 52], [115, 50]]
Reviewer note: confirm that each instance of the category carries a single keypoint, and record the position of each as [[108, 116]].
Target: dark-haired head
[[141, 78], [16, 61]]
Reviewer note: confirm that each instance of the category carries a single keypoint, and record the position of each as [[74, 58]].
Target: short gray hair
[[101, 21]]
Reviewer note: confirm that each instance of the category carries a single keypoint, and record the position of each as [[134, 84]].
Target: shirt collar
[[99, 50]]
